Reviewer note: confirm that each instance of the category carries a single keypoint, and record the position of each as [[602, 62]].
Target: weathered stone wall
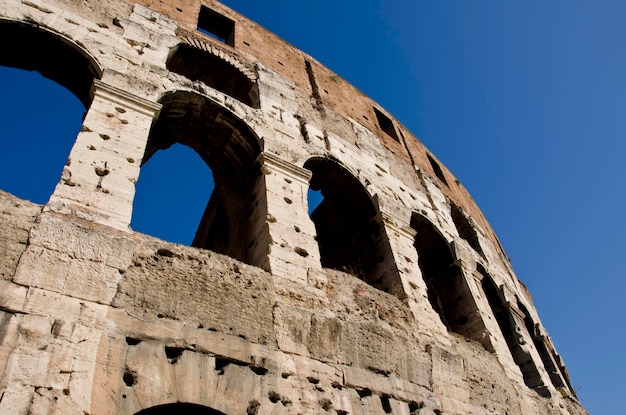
[[410, 307], [16, 218]]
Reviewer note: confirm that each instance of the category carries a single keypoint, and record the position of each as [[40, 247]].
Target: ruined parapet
[[393, 296]]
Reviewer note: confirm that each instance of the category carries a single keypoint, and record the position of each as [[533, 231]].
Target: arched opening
[[350, 232], [550, 366], [559, 362], [513, 337], [179, 408], [200, 65], [39, 121], [33, 48], [465, 228], [233, 222], [172, 215], [447, 288], [40, 115], [314, 198]]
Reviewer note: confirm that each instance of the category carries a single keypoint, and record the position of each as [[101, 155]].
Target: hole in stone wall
[[44, 79], [199, 65], [465, 228], [384, 400], [550, 365], [512, 335], [34, 48], [221, 362], [216, 25], [350, 233], [179, 408], [415, 407], [253, 407], [234, 220], [273, 396], [173, 354], [259, 370], [386, 124], [131, 341], [326, 404], [314, 198], [438, 270], [437, 169], [40, 115], [129, 378], [169, 206], [39, 121], [559, 362], [365, 392], [447, 288]]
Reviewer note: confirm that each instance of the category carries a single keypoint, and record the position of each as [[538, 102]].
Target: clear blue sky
[[523, 101]]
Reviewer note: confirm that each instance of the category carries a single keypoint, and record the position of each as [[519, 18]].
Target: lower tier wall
[[98, 321]]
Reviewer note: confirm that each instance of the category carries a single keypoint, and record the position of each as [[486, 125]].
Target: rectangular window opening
[[386, 125], [217, 26], [437, 170]]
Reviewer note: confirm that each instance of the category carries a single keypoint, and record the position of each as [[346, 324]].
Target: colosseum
[[393, 296]]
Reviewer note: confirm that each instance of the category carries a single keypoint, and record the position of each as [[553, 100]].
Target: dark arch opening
[[40, 117], [556, 377], [350, 232], [233, 222], [447, 288], [33, 48], [179, 408], [513, 337], [465, 228], [199, 65]]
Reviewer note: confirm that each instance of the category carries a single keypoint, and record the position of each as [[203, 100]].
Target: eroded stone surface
[[16, 218], [393, 297]]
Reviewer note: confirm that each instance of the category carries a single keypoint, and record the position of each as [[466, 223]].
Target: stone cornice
[[392, 223], [300, 173], [128, 100]]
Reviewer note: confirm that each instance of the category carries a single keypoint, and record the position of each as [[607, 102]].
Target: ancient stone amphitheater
[[393, 297]]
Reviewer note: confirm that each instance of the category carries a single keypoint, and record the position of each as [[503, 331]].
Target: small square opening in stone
[[437, 169], [386, 124], [216, 25]]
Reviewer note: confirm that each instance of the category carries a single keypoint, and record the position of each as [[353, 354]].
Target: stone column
[[294, 253], [98, 181], [402, 240]]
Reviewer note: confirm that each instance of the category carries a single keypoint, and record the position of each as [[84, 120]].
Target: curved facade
[[393, 296]]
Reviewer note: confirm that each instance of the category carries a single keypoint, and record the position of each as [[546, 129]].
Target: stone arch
[[513, 336], [233, 222], [554, 372], [447, 288], [34, 48], [202, 61], [28, 47], [350, 231], [179, 408], [465, 228]]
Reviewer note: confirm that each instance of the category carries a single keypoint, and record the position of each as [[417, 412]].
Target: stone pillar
[[98, 181], [294, 253], [402, 239]]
